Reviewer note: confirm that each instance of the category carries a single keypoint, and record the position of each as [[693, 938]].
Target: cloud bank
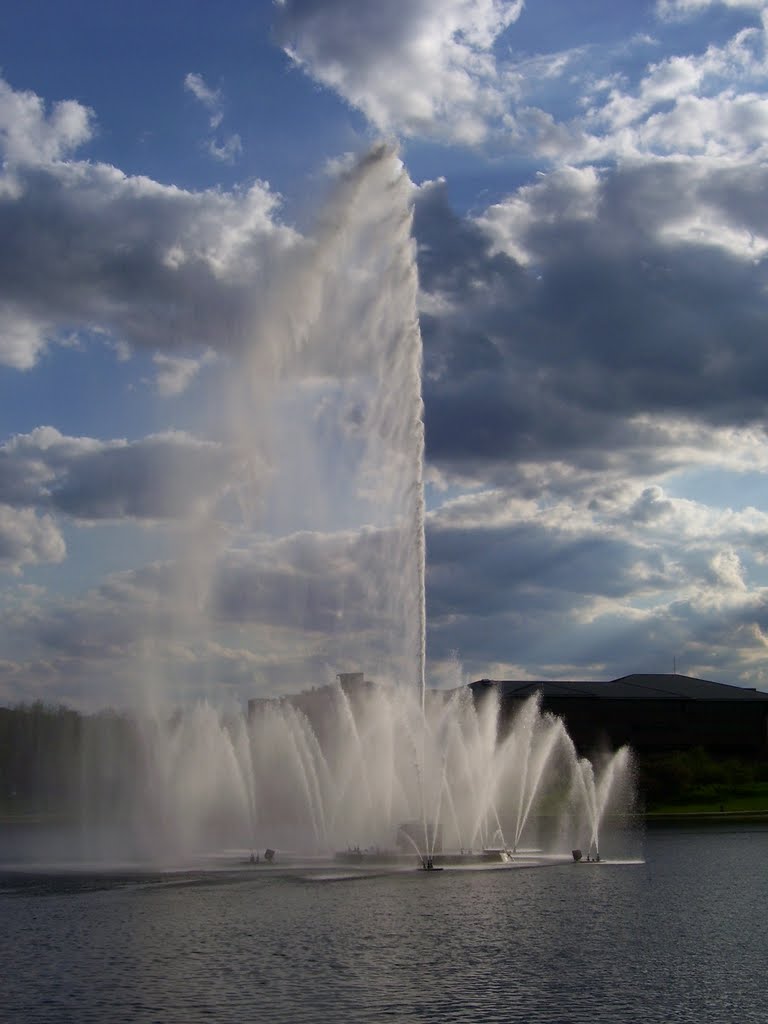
[[594, 371]]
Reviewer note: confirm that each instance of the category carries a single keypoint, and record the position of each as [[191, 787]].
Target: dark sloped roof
[[632, 687]]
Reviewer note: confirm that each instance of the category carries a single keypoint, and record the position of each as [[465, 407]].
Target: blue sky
[[589, 184]]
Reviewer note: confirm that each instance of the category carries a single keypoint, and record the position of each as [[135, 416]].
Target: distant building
[[350, 680], [649, 712]]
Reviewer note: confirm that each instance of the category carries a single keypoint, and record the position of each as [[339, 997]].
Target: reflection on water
[[677, 938]]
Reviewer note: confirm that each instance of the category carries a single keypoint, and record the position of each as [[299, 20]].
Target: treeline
[[53, 760]]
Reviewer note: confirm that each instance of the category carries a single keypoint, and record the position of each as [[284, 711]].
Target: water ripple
[[674, 940]]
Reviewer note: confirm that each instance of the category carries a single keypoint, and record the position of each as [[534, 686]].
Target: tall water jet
[[327, 404]]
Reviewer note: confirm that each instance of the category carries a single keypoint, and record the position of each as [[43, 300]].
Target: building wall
[[725, 727]]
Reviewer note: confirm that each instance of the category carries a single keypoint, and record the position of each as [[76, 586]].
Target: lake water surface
[[682, 936]]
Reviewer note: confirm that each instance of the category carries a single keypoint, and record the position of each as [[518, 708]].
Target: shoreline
[[682, 817], [677, 817]]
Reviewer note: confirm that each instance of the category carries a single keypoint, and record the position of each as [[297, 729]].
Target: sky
[[591, 234]]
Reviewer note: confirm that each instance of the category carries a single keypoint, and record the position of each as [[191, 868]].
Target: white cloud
[[672, 9], [416, 67], [210, 98], [30, 135], [27, 539], [84, 246], [565, 195], [710, 103], [225, 150], [729, 126], [176, 373], [434, 69], [22, 338]]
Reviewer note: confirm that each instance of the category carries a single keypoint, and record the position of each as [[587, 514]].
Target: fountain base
[[375, 857], [428, 864]]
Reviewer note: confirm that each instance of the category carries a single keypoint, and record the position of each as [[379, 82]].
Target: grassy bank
[[749, 799], [749, 803], [692, 783], [689, 817]]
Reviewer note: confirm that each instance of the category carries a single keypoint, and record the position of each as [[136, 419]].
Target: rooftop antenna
[[674, 665]]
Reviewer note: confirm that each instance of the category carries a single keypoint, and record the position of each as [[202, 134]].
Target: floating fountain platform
[[423, 841], [428, 864], [374, 857]]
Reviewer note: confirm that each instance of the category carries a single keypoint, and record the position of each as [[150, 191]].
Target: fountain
[[364, 775], [325, 403]]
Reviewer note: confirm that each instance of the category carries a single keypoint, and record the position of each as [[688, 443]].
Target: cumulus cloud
[[589, 340], [436, 70], [85, 246], [27, 539], [710, 103], [160, 267], [416, 67], [29, 134], [139, 631], [585, 321]]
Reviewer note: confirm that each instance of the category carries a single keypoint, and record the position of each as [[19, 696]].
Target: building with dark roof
[[649, 712]]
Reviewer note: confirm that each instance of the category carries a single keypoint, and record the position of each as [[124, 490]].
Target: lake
[[679, 937]]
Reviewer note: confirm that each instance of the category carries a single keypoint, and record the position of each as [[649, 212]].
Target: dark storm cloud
[[588, 300], [637, 317], [516, 559], [518, 581]]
